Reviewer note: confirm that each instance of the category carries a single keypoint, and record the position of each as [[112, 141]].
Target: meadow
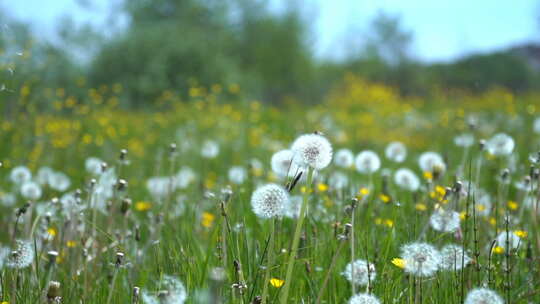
[[368, 197]]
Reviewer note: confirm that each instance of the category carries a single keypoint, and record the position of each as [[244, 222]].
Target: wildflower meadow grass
[[367, 198]]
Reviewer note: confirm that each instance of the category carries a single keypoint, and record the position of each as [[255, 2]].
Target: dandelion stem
[[296, 238], [269, 260]]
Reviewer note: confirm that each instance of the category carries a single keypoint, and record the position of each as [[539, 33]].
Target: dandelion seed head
[[464, 140], [396, 151], [20, 175], [59, 181], [312, 150], [500, 144], [513, 240], [43, 175], [445, 220], [406, 179], [344, 158], [210, 149], [21, 255], [454, 258], [237, 175], [282, 164], [269, 201], [367, 162], [338, 180], [184, 177], [364, 298], [93, 165], [421, 259], [171, 291], [483, 296], [8, 199], [31, 190], [358, 272], [431, 161]]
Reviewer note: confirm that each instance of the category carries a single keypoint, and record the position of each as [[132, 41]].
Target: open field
[[173, 218]]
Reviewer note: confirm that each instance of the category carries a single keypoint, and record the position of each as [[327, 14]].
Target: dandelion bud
[[172, 148], [123, 154], [136, 294], [482, 144], [126, 204], [22, 210], [354, 202], [53, 292], [1, 164], [505, 173], [119, 259], [137, 233], [52, 256], [457, 187], [92, 183], [257, 300], [104, 166], [122, 184]]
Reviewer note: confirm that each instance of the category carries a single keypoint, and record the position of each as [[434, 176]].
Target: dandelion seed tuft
[[421, 259], [312, 150], [364, 298], [483, 296], [269, 201], [357, 272]]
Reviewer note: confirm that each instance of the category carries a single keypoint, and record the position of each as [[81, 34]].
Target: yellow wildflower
[[71, 244], [428, 175], [384, 198], [521, 233], [389, 223], [363, 191], [512, 205], [498, 249], [420, 207], [143, 206], [207, 219], [277, 283], [52, 232], [322, 187], [399, 262]]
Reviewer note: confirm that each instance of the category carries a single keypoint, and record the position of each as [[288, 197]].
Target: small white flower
[[464, 140], [483, 296], [237, 175], [367, 162], [444, 220], [93, 165], [421, 259], [210, 149], [431, 162], [396, 151], [269, 201], [20, 175], [364, 298], [31, 190], [344, 158], [312, 150], [454, 258], [359, 273], [406, 179], [500, 144]]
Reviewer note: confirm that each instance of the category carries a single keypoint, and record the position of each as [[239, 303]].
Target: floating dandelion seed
[[406, 179], [31, 190], [500, 144], [344, 158], [364, 298], [464, 140], [237, 175], [269, 201], [421, 259], [454, 258], [367, 162], [396, 151], [483, 296], [444, 220], [513, 240], [431, 162], [20, 175], [93, 165], [312, 150], [21, 256], [210, 149], [358, 273]]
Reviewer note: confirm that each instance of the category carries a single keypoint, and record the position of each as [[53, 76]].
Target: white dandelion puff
[[4, 255], [367, 162], [454, 258], [406, 179], [210, 149], [93, 165], [171, 291], [483, 296], [184, 177], [357, 272], [31, 190], [292, 206], [237, 175], [396, 151], [513, 240], [159, 186], [536, 125], [421, 259], [20, 175], [344, 158], [269, 201], [445, 220], [21, 255], [364, 298], [282, 163], [8, 199], [338, 180], [431, 162], [43, 175], [464, 140], [500, 144], [312, 150], [59, 181]]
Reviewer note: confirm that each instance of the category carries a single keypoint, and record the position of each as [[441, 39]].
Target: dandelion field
[[220, 199]]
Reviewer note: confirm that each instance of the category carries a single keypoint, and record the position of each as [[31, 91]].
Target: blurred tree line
[[178, 44]]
